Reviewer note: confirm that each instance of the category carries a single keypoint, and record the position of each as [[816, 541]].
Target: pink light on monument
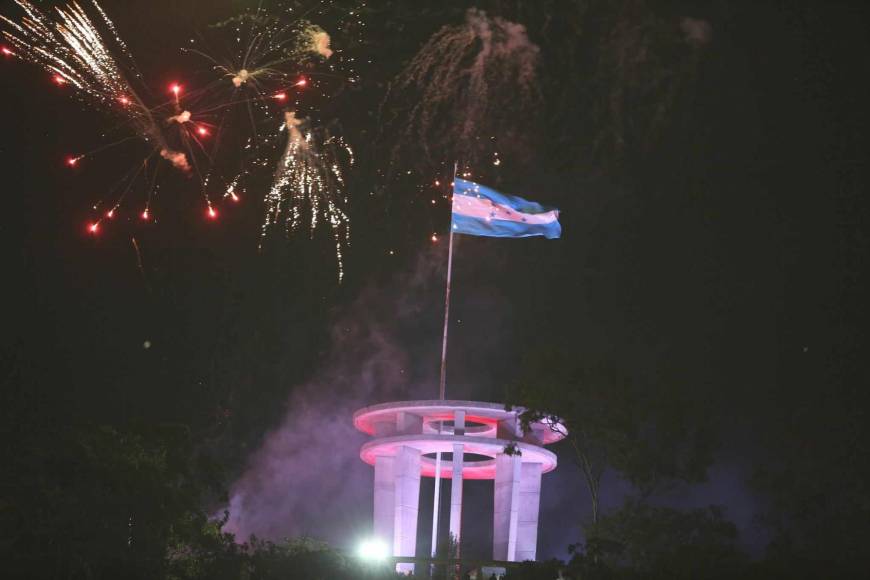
[[407, 440]]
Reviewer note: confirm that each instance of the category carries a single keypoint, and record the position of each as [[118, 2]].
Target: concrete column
[[459, 423], [530, 502], [506, 506], [408, 424], [510, 428], [407, 498], [456, 481], [456, 493], [385, 499]]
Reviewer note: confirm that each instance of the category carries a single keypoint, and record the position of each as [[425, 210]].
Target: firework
[[309, 185], [471, 85], [73, 50], [263, 61], [266, 50], [88, 54], [271, 64]]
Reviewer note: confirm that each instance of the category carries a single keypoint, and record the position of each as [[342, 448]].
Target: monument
[[484, 440]]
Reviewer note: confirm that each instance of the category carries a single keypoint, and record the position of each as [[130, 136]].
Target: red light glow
[[6, 51], [58, 80], [110, 214], [234, 197], [301, 82], [212, 213], [94, 227], [145, 215], [71, 161], [280, 96], [202, 131], [124, 101], [175, 88]]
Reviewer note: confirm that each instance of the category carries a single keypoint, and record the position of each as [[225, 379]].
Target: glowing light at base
[[94, 227], [373, 550]]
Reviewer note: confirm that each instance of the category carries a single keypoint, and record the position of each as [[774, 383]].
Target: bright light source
[[176, 88], [280, 96], [202, 131], [373, 550], [301, 82]]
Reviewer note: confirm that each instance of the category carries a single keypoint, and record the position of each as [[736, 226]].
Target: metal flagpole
[[443, 383], [443, 386]]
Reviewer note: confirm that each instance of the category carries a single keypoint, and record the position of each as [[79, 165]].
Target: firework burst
[[87, 54], [200, 131], [470, 86], [266, 47], [309, 185], [72, 49]]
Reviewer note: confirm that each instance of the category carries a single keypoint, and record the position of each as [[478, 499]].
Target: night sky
[[731, 255]]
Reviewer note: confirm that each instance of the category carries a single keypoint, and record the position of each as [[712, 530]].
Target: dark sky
[[740, 268]]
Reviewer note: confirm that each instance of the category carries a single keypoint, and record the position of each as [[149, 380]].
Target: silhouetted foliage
[[651, 433]]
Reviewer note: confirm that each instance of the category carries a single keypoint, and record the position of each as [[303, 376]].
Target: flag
[[481, 211]]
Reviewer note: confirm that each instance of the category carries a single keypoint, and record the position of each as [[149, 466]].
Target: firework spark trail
[[308, 190], [73, 49], [468, 82], [267, 50], [309, 185], [265, 55]]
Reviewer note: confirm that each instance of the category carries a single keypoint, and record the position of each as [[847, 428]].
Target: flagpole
[[442, 390], [443, 382]]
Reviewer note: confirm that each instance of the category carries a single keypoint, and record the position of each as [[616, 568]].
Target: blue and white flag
[[481, 211]]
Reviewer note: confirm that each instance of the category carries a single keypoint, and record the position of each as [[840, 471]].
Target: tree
[[95, 501], [643, 541], [651, 434]]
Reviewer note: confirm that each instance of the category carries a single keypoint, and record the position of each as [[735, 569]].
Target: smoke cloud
[[698, 32], [307, 477], [176, 158]]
